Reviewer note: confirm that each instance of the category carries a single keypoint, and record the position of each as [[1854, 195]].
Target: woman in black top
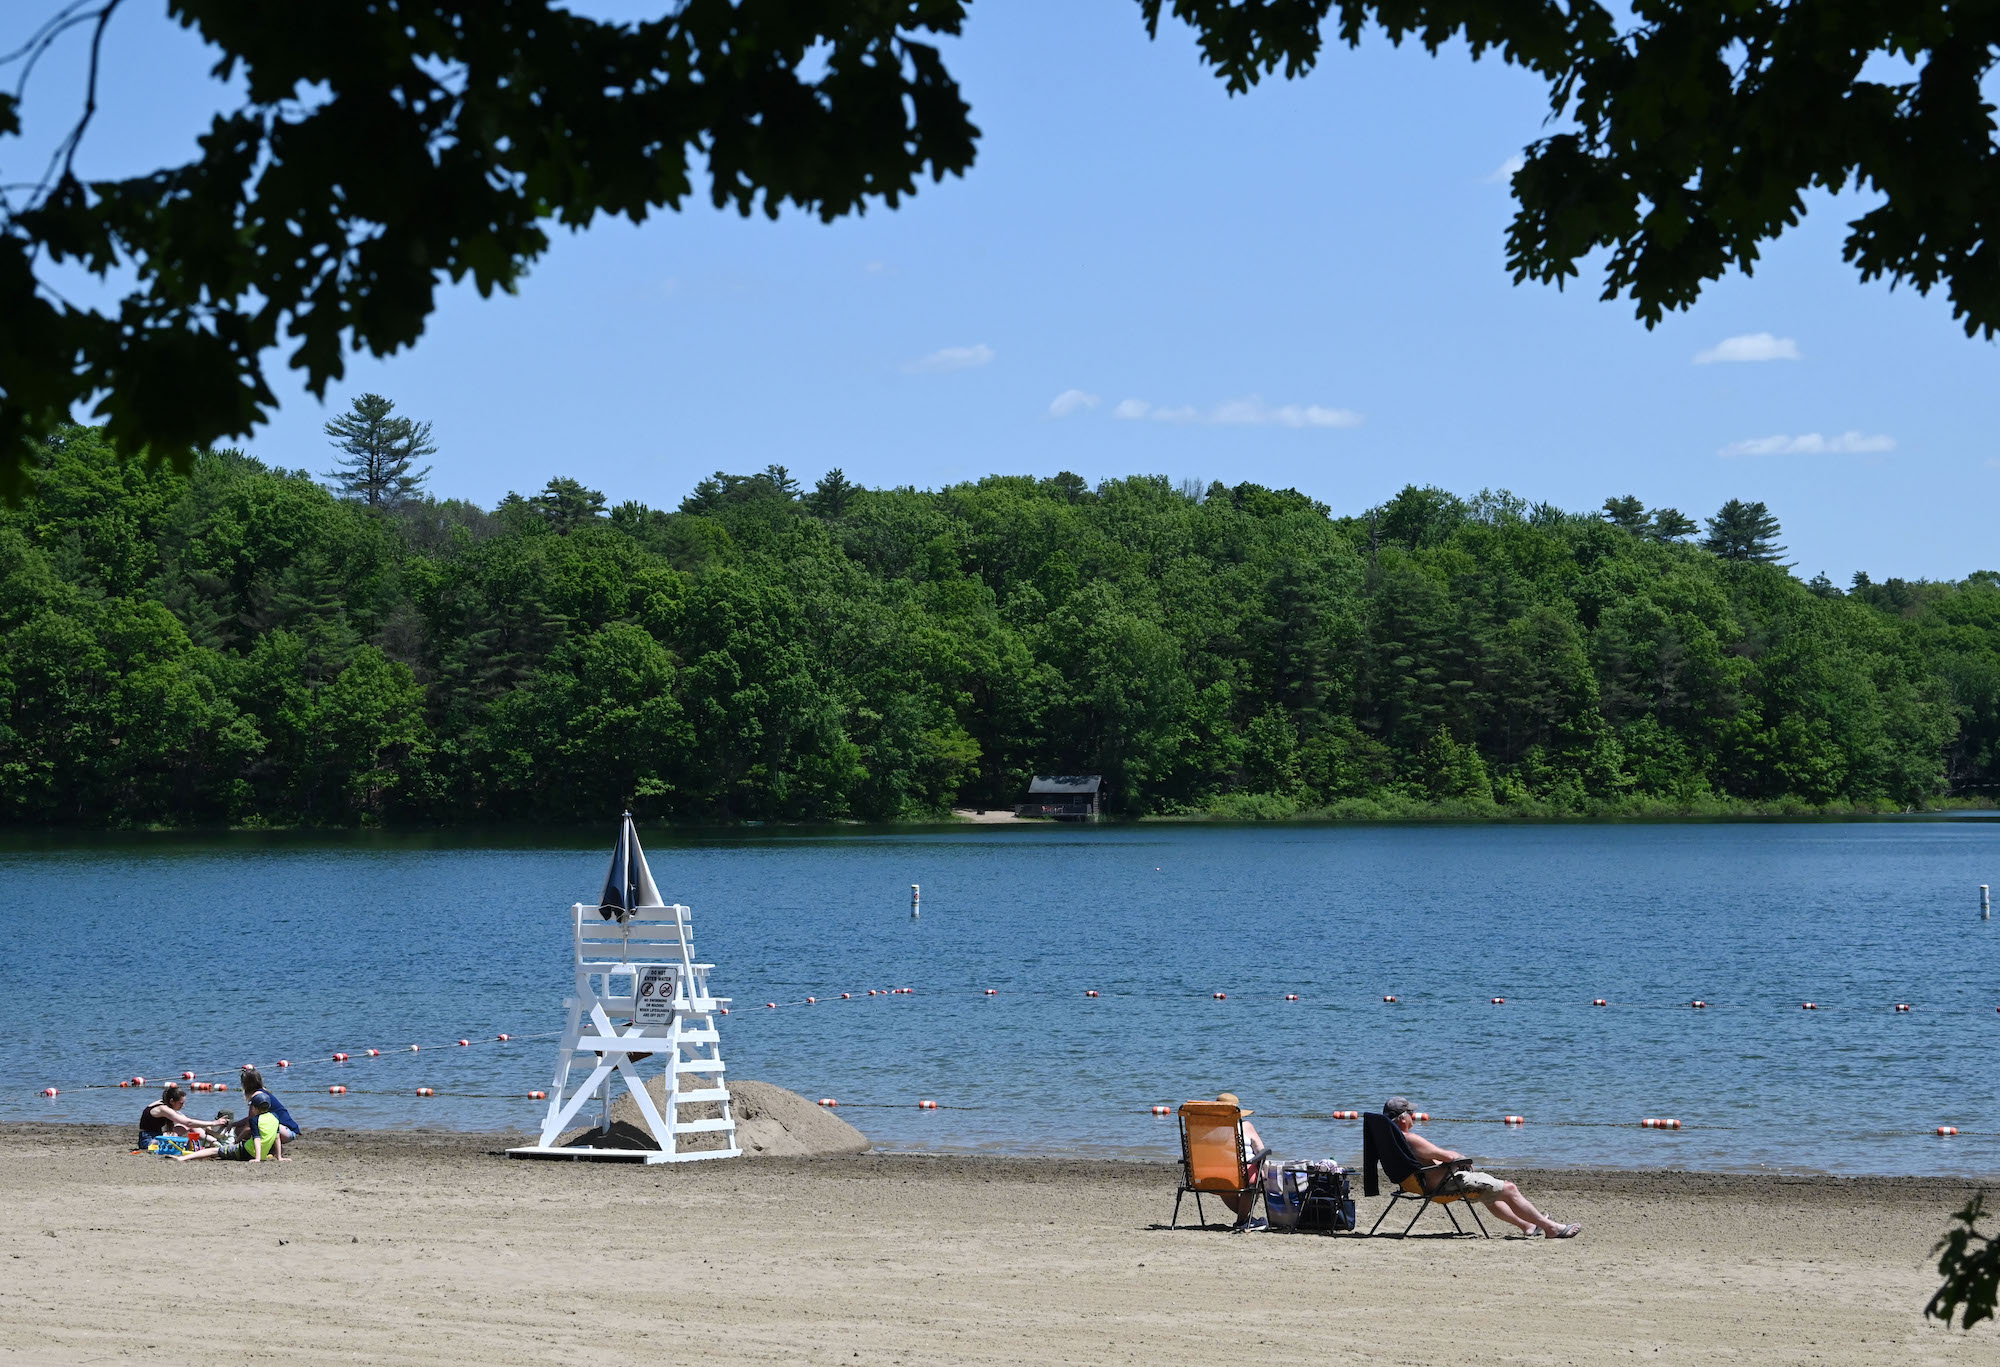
[[164, 1116]]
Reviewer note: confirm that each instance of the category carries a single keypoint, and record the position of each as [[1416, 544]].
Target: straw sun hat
[[1229, 1099]]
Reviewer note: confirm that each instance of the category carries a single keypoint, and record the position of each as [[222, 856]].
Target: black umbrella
[[629, 885]]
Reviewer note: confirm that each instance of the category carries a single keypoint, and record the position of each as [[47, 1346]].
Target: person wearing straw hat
[[1253, 1151]]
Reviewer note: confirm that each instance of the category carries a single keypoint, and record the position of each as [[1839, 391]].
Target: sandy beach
[[431, 1248]]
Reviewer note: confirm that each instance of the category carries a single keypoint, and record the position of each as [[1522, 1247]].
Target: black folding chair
[[1383, 1143]]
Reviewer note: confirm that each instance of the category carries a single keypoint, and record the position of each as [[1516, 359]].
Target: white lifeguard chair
[[634, 962]]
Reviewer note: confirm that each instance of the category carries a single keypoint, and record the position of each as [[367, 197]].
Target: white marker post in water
[[1985, 902], [916, 894]]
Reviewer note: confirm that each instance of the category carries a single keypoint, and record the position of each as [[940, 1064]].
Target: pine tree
[[829, 497], [567, 505], [380, 448], [1670, 524], [1744, 531], [1627, 512]]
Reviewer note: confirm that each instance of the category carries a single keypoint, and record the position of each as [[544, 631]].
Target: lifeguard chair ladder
[[640, 970]]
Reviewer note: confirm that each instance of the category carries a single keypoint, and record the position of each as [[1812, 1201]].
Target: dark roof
[[1066, 783]]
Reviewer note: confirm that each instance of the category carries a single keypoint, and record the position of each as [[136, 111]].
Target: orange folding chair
[[1212, 1159]]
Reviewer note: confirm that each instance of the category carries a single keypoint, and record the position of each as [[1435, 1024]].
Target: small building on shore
[[1064, 797]]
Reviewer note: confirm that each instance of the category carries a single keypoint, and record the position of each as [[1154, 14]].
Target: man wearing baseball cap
[[1498, 1195]]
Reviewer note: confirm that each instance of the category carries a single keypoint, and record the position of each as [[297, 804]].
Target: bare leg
[[1517, 1210], [198, 1153]]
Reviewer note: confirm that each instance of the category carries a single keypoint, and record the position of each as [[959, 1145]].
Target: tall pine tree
[[381, 448]]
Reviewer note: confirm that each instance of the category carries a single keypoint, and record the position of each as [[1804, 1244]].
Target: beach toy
[[1388, 999], [828, 1101], [1090, 992], [1902, 1006], [1947, 1129], [1599, 1001], [425, 1091], [49, 1091], [335, 1090], [1347, 1115], [1222, 996], [927, 1105], [1157, 1110], [1809, 1006], [503, 1038], [538, 1096], [1513, 1120]]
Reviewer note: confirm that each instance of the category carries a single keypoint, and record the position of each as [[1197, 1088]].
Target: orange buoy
[[538, 1096], [1388, 999], [927, 1105], [50, 1091], [1698, 1004], [1422, 1115], [1947, 1129], [340, 1058], [1599, 1001], [1513, 1120], [1499, 1001], [1222, 996], [335, 1090], [425, 1091], [828, 1101], [1163, 1110], [1090, 992], [1808, 1006], [126, 1083], [1902, 1006], [1347, 1115]]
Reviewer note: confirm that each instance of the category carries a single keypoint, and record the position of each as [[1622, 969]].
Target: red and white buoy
[[1291, 996], [1513, 1120], [1902, 1006], [50, 1091], [828, 1101], [425, 1091], [927, 1105], [1499, 1001], [1599, 1001], [1163, 1110], [1388, 999], [1666, 1124], [1947, 1129], [538, 1096], [335, 1090], [1347, 1115]]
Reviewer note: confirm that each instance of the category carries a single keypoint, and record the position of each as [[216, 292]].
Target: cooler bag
[[1329, 1203]]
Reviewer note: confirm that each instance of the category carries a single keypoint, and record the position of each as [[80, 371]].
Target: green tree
[[830, 496], [565, 505], [381, 448], [1670, 524], [1627, 512], [1744, 531]]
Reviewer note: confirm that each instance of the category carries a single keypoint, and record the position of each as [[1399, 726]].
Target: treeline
[[240, 644]]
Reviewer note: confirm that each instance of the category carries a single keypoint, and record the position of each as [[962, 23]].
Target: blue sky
[[1302, 287]]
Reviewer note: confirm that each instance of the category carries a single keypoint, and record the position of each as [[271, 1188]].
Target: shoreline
[[433, 1248]]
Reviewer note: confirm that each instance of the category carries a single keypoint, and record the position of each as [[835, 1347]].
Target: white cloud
[[1071, 401], [1250, 411], [1503, 174], [1751, 346], [952, 358], [1811, 444]]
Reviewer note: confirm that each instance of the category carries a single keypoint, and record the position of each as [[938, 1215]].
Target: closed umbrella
[[629, 884]]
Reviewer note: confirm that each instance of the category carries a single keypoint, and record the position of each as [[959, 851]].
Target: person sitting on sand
[[164, 1117], [1254, 1149], [251, 1079], [1497, 1194], [264, 1138]]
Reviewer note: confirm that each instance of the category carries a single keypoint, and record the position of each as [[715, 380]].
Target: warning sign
[[654, 995]]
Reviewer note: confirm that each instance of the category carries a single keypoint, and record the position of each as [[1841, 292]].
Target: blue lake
[[148, 956]]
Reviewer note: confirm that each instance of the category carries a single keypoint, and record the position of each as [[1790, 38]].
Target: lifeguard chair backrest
[[1212, 1145]]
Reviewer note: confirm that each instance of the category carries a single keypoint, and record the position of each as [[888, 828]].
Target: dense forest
[[232, 643]]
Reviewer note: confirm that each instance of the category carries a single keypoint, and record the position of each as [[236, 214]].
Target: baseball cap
[[1397, 1105]]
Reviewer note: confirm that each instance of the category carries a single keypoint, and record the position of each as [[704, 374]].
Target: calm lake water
[[150, 956]]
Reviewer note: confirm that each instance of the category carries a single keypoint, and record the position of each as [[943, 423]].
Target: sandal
[[1565, 1231]]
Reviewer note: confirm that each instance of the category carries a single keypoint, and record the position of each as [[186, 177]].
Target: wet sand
[[432, 1248]]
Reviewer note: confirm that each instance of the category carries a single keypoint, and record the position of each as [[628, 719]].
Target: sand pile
[[770, 1122]]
